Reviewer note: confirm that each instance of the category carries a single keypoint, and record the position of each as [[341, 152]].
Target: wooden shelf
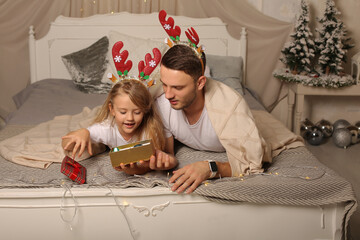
[[297, 93]]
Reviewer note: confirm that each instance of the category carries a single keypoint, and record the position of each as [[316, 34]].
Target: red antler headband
[[119, 58], [168, 26], [123, 67], [147, 67], [174, 34]]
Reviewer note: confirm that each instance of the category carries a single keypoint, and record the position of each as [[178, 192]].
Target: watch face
[[213, 166]]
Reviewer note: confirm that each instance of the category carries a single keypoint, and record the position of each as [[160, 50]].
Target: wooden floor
[[346, 162]]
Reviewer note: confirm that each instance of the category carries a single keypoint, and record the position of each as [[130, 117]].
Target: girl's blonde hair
[[151, 125]]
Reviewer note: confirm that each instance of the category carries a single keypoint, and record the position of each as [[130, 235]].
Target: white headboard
[[67, 35]]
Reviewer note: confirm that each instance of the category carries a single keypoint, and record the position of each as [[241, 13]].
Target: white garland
[[326, 81]]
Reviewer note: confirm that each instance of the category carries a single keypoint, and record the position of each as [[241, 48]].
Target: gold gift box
[[132, 152]]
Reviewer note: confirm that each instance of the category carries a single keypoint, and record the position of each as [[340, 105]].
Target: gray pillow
[[61, 95], [226, 69], [88, 66]]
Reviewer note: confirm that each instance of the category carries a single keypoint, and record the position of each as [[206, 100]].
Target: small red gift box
[[74, 170]]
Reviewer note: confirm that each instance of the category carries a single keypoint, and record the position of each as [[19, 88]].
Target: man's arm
[[224, 169], [191, 176]]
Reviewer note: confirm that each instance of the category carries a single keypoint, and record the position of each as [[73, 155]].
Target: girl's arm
[[77, 141]]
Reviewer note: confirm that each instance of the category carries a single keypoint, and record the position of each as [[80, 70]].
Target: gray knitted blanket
[[295, 177]]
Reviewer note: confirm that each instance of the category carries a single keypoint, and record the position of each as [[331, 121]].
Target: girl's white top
[[108, 134]]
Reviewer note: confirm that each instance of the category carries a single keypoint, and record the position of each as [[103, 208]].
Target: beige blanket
[[41, 145], [276, 135], [250, 138]]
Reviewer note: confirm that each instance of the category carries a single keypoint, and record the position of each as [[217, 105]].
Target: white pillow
[[137, 48], [207, 72]]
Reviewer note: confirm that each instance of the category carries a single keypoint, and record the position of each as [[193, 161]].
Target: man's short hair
[[183, 58]]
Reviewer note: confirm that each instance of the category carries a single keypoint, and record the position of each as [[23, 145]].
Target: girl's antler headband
[[119, 58], [123, 67], [174, 34]]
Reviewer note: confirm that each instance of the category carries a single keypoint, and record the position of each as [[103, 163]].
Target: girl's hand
[[138, 168], [77, 141], [162, 161]]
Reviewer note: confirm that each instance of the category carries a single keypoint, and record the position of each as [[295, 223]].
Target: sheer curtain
[[266, 36]]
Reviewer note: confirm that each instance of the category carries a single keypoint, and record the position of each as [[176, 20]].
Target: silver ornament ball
[[305, 128], [341, 123], [357, 124], [342, 137], [354, 134], [316, 136], [326, 127]]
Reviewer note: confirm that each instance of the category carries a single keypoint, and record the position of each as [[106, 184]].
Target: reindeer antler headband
[[175, 32], [123, 65]]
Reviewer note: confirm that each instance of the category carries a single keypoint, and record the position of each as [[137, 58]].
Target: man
[[205, 115]]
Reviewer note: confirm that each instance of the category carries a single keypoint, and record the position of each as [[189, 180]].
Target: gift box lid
[[74, 170]]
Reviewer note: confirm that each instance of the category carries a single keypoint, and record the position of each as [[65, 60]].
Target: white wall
[[284, 10]]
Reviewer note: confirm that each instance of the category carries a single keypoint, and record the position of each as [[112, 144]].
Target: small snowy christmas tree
[[332, 42], [299, 53], [331, 48]]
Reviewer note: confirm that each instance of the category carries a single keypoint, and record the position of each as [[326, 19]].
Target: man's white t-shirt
[[200, 136], [108, 134]]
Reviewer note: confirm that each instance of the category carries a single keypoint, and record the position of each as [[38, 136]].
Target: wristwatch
[[213, 168]]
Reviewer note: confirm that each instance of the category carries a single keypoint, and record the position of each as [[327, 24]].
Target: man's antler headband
[[174, 34], [123, 67]]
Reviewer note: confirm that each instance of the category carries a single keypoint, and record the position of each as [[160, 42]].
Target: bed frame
[[157, 213], [67, 35]]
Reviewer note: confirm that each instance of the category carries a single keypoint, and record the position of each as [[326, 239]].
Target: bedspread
[[295, 177], [41, 145]]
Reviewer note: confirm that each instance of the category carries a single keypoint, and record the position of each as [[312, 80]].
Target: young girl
[[128, 115]]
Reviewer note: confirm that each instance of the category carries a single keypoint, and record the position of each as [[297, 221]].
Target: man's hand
[[190, 177], [162, 161], [77, 141]]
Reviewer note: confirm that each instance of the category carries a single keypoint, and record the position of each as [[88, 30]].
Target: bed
[[295, 198]]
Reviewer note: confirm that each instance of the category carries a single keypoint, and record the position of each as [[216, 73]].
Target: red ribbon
[[76, 170]]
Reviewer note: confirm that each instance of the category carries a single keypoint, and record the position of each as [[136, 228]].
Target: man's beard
[[187, 102]]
